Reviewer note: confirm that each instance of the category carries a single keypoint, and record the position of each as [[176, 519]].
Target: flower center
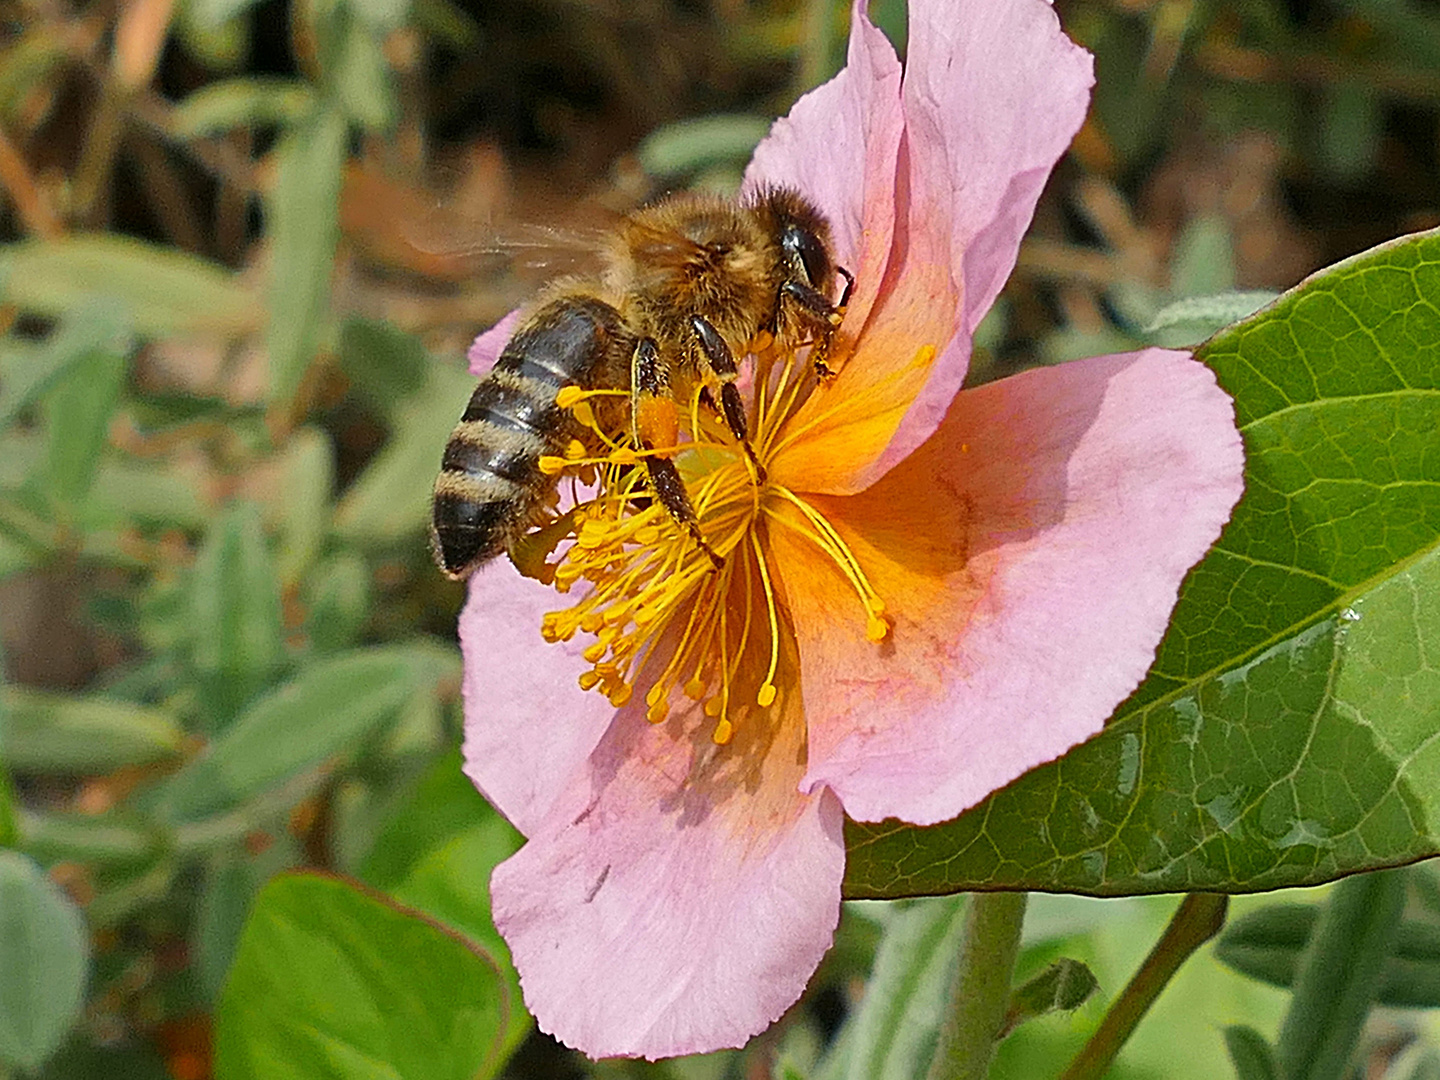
[[656, 601]]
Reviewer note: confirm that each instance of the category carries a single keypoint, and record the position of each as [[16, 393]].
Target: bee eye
[[804, 246]]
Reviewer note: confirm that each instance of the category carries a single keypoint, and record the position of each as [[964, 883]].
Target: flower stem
[[981, 991], [1195, 922]]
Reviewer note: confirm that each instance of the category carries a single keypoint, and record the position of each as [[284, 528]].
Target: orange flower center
[[656, 603]]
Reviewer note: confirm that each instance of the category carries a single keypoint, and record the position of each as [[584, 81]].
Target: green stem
[[981, 991], [1195, 922]]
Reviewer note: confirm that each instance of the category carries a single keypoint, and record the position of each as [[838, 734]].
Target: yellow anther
[[656, 694], [724, 731], [620, 694], [766, 697], [589, 680], [551, 465], [713, 706], [569, 396], [695, 689], [657, 712], [591, 621], [877, 628], [576, 450], [761, 341], [623, 455], [582, 412], [875, 606], [647, 535], [595, 653]]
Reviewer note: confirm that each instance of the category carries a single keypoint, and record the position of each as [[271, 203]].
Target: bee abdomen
[[490, 483]]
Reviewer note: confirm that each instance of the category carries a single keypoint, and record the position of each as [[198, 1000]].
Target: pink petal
[[528, 725], [486, 348], [845, 130], [1030, 554], [678, 896], [994, 92]]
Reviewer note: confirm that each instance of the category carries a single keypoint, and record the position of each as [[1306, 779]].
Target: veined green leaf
[[1286, 732]]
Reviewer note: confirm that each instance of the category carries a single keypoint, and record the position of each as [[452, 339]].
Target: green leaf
[[47, 732], [28, 370], [300, 510], [452, 885], [688, 146], [98, 840], [332, 983], [1062, 987], [339, 595], [161, 291], [1352, 120], [364, 85], [1266, 944], [128, 491], [391, 499], [1204, 261], [233, 879], [304, 227], [231, 103], [329, 708], [237, 635], [1251, 1054], [77, 421], [385, 363], [1192, 320], [9, 829], [444, 804], [1284, 735], [44, 954], [1339, 973], [893, 1034]]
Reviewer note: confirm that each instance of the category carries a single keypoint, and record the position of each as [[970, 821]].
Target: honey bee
[[686, 285]]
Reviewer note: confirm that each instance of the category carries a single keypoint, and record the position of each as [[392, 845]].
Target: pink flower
[[933, 591]]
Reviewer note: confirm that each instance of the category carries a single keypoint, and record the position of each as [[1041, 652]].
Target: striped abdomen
[[490, 484]]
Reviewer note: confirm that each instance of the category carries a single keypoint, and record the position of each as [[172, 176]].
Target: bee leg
[[816, 308], [654, 422], [722, 363]]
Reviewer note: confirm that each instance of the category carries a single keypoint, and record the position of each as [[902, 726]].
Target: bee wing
[[548, 247]]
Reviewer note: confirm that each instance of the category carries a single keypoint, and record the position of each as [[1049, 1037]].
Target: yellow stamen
[[665, 615]]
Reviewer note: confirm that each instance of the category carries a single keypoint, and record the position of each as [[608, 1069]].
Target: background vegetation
[[245, 246]]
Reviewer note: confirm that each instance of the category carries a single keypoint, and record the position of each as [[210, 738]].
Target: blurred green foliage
[[245, 246]]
